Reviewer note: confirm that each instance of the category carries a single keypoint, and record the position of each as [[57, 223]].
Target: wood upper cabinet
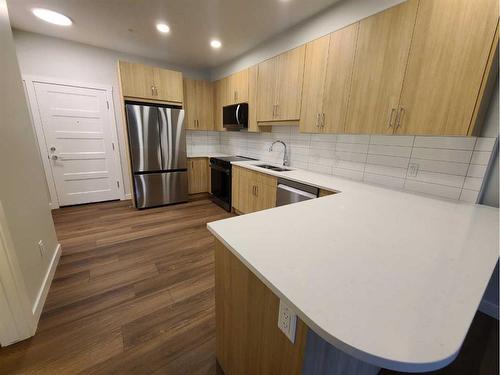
[[313, 88], [219, 93], [137, 80], [448, 58], [382, 49], [327, 81], [252, 191], [150, 83], [198, 175], [279, 86], [168, 85], [198, 104], [237, 88]]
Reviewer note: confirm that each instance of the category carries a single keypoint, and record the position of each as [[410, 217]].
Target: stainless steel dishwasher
[[293, 192]]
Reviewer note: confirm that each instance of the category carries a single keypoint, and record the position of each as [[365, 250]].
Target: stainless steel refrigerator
[[157, 142]]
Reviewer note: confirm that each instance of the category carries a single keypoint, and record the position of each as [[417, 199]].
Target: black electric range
[[221, 179]]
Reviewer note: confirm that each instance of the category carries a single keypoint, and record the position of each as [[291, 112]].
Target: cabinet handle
[[277, 112], [323, 121], [235, 95], [152, 90], [389, 125], [400, 117], [317, 120]]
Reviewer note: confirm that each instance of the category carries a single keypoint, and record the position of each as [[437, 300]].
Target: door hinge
[[107, 104], [118, 184]]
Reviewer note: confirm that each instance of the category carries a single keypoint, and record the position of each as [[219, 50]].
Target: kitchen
[[319, 196]]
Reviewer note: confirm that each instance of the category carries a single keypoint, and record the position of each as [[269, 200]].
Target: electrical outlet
[[287, 321], [413, 170], [41, 248]]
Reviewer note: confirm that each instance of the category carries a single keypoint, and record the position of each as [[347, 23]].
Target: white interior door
[[79, 141]]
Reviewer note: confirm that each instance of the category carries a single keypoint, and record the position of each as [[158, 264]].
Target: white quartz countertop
[[392, 278]]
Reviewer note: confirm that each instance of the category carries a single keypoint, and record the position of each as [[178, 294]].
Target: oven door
[[221, 186]]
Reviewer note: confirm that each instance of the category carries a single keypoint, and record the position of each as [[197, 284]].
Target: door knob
[[54, 157]]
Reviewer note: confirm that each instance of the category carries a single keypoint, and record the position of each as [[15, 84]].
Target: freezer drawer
[[156, 189]]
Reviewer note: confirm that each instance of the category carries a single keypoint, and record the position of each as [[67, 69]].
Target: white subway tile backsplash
[[432, 189], [459, 169], [348, 173], [459, 156], [399, 151], [480, 157], [485, 144], [438, 178], [453, 143], [443, 162], [476, 170], [352, 147], [392, 140], [469, 196], [348, 138], [392, 182], [391, 161], [385, 170], [473, 183]]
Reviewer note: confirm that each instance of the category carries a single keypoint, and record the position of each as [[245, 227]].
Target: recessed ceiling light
[[215, 43], [52, 17], [162, 28]]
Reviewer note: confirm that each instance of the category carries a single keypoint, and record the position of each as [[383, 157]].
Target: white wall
[[65, 60], [339, 15], [23, 192]]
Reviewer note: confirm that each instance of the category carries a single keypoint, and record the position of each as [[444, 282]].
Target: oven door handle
[[219, 169]]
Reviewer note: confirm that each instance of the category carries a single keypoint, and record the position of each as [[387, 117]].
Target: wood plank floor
[[133, 294]]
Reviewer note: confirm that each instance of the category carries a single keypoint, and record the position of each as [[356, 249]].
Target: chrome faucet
[[285, 158]]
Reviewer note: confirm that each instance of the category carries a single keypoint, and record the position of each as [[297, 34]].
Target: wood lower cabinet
[[248, 338], [198, 104], [140, 81], [448, 60], [198, 175], [252, 191]]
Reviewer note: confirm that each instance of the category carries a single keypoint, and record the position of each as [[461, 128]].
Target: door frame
[[29, 81]]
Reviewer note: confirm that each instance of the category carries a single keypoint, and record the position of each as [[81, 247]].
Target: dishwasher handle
[[297, 191]]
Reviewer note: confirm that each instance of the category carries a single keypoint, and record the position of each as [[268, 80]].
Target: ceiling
[[129, 25]]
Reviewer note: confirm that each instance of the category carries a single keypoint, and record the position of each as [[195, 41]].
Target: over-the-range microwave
[[235, 116]]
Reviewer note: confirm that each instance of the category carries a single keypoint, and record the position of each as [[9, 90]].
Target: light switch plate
[[287, 321], [413, 169]]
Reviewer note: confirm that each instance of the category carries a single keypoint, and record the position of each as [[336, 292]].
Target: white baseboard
[[127, 197], [489, 308], [47, 281]]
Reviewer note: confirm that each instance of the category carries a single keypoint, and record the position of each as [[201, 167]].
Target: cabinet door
[[190, 104], [266, 89], [338, 78], [235, 188], [246, 191], [265, 192], [137, 80], [197, 175], [448, 57], [237, 87], [381, 56], [290, 75], [205, 105], [168, 84], [316, 61]]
